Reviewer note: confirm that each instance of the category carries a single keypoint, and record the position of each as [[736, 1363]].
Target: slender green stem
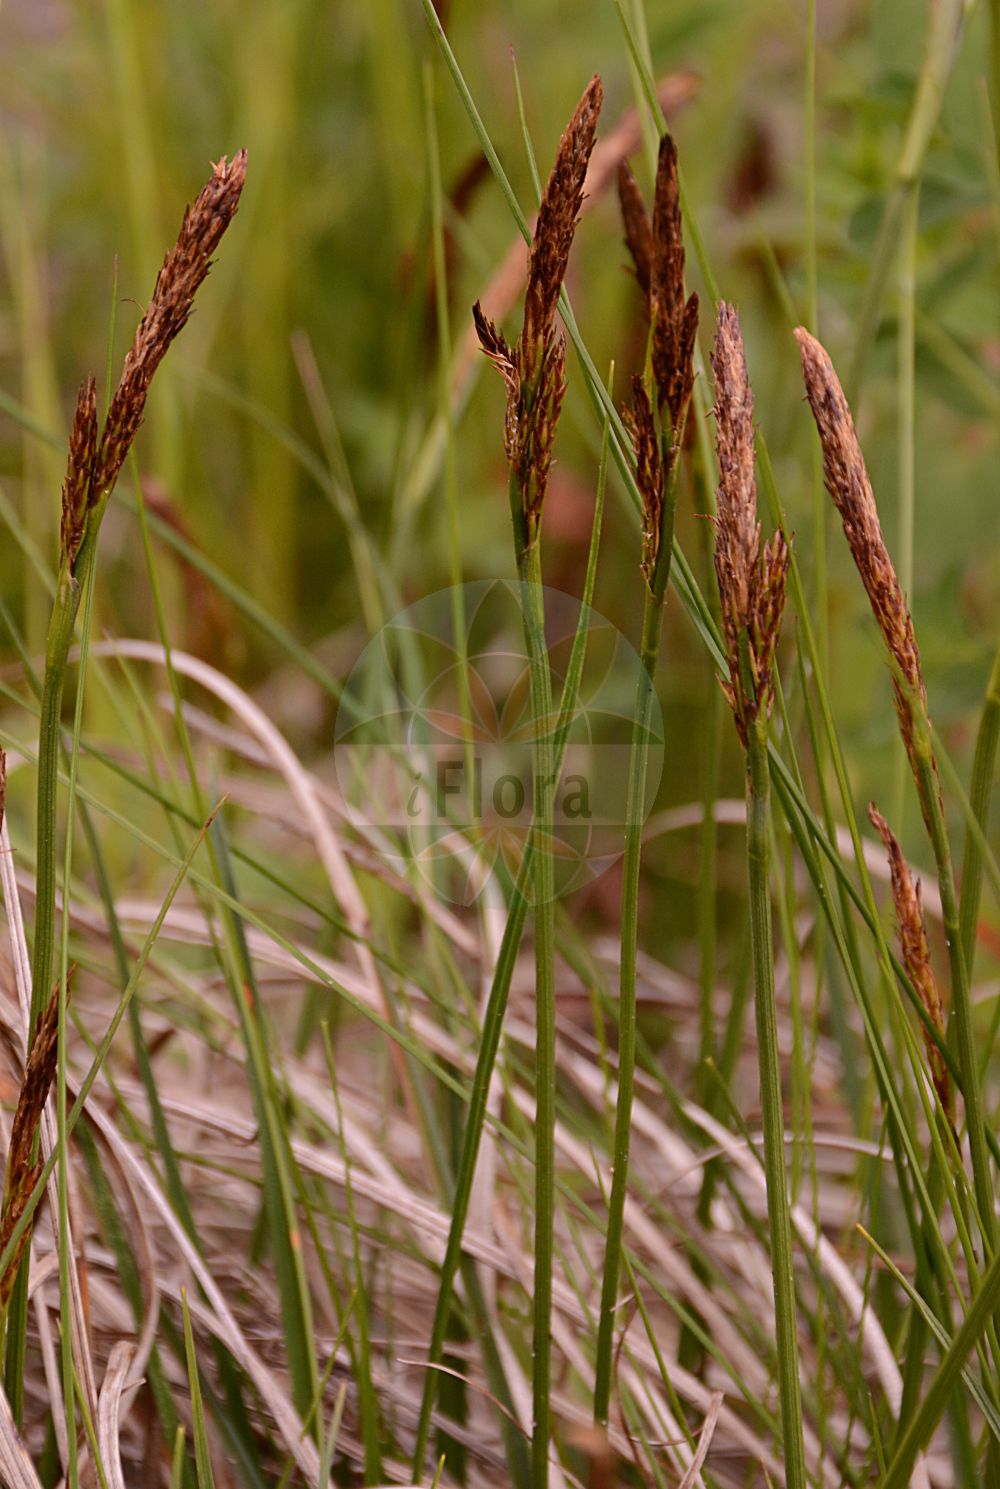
[[961, 1003], [923, 1421], [905, 402], [496, 1005], [635, 793], [779, 1223], [533, 609], [983, 769], [69, 1383], [60, 635]]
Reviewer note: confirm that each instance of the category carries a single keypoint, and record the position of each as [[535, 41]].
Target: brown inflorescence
[[649, 473], [848, 483], [79, 469], [674, 319], [638, 228], [912, 931], [22, 1169], [751, 582], [657, 251], [553, 236], [94, 468], [534, 368]]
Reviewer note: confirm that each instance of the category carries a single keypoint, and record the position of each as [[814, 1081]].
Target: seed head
[[79, 471], [674, 319], [556, 225], [657, 250], [534, 369], [22, 1173], [638, 228], [649, 474], [184, 270], [912, 930], [751, 582], [848, 483]]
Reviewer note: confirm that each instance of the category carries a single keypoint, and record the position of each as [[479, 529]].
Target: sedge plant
[[656, 424], [752, 598], [534, 372], [848, 483], [95, 459]]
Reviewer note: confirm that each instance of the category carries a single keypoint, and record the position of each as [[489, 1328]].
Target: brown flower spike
[[79, 470], [657, 250], [912, 931], [848, 483], [534, 369], [94, 468], [638, 229], [751, 582], [22, 1169]]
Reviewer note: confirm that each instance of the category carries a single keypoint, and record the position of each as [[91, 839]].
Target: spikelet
[[93, 467], [184, 270], [22, 1170], [79, 471], [751, 582], [534, 369], [847, 481], [657, 250], [912, 931], [554, 230], [638, 228], [649, 474], [674, 319]]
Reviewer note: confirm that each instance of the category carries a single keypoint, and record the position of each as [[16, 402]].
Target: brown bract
[[93, 469], [534, 369], [847, 481], [912, 931], [751, 582]]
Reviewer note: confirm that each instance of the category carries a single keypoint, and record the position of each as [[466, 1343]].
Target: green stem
[[924, 1420], [58, 641], [496, 1008], [635, 794], [983, 768], [530, 573], [779, 1224], [928, 789]]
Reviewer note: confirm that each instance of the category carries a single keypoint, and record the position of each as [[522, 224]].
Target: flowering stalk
[[912, 931], [93, 466], [848, 484], [752, 594], [656, 426], [534, 371]]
